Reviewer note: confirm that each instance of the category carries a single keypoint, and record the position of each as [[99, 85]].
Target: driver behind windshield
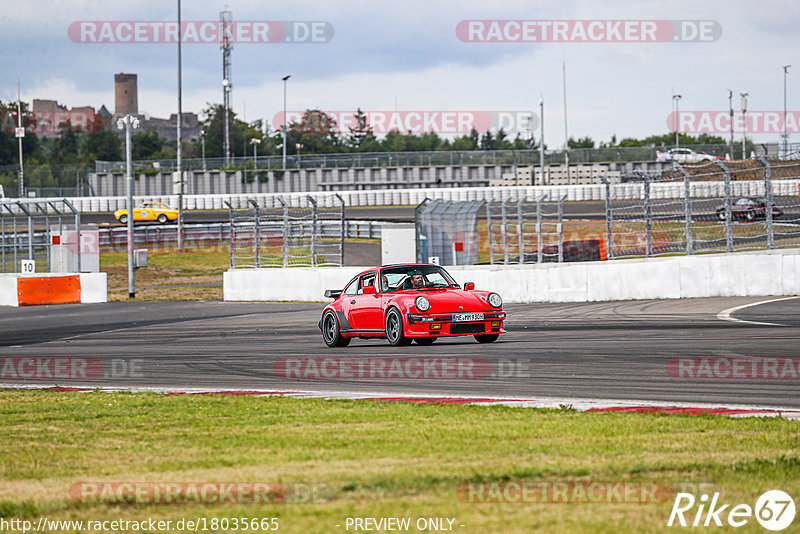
[[415, 280]]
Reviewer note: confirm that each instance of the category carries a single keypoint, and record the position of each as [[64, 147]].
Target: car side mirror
[[469, 286], [369, 290]]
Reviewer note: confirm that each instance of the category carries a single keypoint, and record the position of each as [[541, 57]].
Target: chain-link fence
[[45, 231], [716, 207], [447, 230], [525, 231], [296, 232]]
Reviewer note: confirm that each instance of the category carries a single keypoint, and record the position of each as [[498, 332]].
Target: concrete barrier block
[[8, 290], [790, 274], [568, 282], [94, 288]]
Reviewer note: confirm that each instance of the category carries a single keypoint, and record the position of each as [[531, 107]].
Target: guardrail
[[209, 234]]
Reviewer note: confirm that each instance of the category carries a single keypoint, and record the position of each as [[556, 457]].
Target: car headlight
[[422, 303], [494, 300]]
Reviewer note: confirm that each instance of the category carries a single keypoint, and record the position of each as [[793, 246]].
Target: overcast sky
[[408, 56]]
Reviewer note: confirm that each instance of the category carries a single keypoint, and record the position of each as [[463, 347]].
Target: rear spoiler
[[333, 293]]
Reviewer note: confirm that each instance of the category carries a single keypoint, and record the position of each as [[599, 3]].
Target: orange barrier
[[35, 290]]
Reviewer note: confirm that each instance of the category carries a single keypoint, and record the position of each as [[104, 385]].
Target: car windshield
[[421, 277]]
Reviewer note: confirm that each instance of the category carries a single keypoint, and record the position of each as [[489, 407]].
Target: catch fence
[[275, 232]]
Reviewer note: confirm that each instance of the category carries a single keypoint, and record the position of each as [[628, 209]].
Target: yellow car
[[148, 211]]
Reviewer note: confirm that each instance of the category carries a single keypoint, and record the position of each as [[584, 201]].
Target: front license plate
[[463, 317]]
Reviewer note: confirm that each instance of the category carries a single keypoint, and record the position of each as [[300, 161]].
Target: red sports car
[[412, 302]]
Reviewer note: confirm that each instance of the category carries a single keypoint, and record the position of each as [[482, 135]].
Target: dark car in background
[[749, 209]]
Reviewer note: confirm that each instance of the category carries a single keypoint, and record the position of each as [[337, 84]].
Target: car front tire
[[394, 329], [331, 333], [721, 215], [162, 219], [123, 219], [487, 338]]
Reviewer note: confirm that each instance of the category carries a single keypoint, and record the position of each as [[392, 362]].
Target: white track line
[[725, 315], [578, 404]]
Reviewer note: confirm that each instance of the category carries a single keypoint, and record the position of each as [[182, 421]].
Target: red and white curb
[[581, 405]]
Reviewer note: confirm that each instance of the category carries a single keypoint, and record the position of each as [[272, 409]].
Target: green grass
[[375, 459]]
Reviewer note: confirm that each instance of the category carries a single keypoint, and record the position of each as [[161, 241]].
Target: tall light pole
[[785, 133], [128, 123], [285, 121], [20, 133], [676, 99], [730, 105], [541, 138], [744, 94], [203, 147], [255, 142], [180, 136], [566, 134], [226, 46]]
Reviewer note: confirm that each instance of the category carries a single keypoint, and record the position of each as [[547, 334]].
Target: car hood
[[449, 300]]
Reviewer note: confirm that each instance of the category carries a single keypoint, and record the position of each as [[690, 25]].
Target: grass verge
[[373, 459]]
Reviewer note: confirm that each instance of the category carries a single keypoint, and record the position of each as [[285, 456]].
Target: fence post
[[231, 227], [3, 235], [687, 208], [726, 173], [342, 231], [609, 219], [505, 230], [489, 230], [648, 214], [770, 200], [561, 229], [313, 230], [257, 233], [285, 245], [520, 235], [539, 237]]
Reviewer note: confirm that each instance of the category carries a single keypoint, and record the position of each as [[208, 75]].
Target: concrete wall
[[93, 287], [413, 196], [713, 275], [350, 178]]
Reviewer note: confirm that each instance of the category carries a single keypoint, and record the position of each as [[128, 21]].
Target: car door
[[365, 308]]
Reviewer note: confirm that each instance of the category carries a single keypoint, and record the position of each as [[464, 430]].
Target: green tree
[[145, 144], [101, 143]]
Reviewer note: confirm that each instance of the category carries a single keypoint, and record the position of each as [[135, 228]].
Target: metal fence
[[682, 213], [526, 230], [447, 230], [27, 230], [310, 234]]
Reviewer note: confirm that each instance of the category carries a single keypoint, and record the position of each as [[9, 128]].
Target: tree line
[[55, 161]]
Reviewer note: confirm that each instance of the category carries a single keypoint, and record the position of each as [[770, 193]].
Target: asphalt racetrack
[[674, 351]]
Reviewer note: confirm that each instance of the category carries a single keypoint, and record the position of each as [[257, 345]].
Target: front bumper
[[439, 324]]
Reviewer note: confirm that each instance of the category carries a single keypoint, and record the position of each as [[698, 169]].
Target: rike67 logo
[[774, 510]]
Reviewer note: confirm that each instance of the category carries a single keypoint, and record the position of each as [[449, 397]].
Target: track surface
[[616, 351]]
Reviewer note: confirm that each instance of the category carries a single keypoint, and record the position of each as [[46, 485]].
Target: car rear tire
[[394, 329], [721, 215], [331, 333], [749, 215], [123, 219], [425, 340], [487, 338], [162, 219]]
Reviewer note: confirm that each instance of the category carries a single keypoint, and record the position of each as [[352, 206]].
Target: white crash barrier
[[93, 288], [627, 191], [713, 275]]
